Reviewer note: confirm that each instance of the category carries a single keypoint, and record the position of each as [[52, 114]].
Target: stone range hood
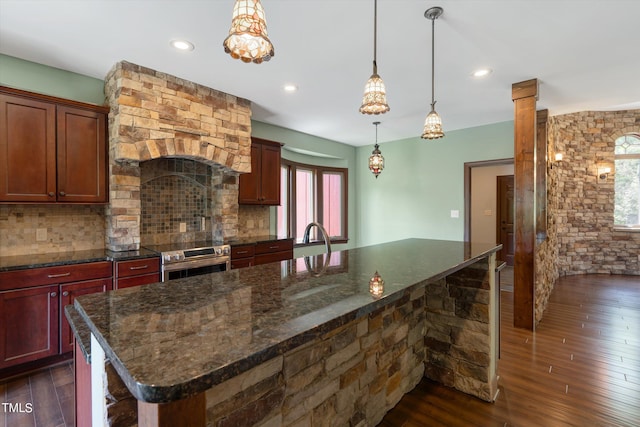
[[154, 115]]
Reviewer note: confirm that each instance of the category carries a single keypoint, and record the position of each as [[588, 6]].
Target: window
[[312, 194], [627, 181]]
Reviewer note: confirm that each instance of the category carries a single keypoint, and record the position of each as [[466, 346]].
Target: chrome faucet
[[305, 238]]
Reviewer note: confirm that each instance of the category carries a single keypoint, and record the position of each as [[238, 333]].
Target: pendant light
[[374, 100], [247, 38], [376, 161], [433, 122]]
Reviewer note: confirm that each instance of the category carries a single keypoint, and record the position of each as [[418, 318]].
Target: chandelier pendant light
[[248, 40], [376, 161], [433, 122], [374, 100]]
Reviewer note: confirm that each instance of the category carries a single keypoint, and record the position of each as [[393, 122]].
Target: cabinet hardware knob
[[65, 294], [54, 294], [53, 276], [62, 193], [52, 194]]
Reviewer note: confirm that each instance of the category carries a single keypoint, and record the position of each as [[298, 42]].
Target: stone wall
[[582, 205], [155, 115], [460, 340]]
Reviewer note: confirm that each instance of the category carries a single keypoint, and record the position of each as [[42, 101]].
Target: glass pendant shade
[[376, 286], [432, 126], [248, 40], [376, 161], [374, 100]]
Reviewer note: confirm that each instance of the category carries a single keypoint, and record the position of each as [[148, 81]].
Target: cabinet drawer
[[242, 263], [246, 251], [275, 246], [137, 267], [49, 275]]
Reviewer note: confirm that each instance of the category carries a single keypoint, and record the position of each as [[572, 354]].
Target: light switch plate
[[455, 214]]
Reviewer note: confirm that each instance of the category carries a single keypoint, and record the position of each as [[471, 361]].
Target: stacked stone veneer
[[354, 374], [581, 206], [460, 339], [155, 115]]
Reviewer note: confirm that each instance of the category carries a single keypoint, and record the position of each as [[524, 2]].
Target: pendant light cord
[[433, 32], [375, 36]]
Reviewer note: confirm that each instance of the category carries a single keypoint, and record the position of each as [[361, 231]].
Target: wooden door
[[270, 181], [68, 293], [82, 155], [27, 150], [505, 219], [28, 325]]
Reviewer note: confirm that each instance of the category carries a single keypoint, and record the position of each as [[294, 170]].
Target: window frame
[[622, 227], [318, 194]]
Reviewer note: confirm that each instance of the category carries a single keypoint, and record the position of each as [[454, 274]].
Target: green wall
[[25, 75], [421, 183]]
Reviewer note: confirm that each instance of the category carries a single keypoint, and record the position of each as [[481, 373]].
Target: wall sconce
[[557, 159], [603, 173], [376, 286]]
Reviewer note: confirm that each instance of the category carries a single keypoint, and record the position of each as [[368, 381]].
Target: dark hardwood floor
[[580, 368]]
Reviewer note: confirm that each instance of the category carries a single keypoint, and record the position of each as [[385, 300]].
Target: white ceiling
[[585, 53]]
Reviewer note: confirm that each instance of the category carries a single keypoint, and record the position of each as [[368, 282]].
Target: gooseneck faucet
[[325, 236]]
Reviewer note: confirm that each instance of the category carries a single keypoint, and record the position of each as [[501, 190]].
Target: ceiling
[[584, 52]]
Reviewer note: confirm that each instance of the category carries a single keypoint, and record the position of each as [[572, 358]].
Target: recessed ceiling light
[[182, 44], [290, 88], [481, 72]]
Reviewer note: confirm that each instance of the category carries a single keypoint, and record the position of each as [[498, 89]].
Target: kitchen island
[[338, 339]]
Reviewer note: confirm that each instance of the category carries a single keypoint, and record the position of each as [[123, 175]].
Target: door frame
[[468, 166]]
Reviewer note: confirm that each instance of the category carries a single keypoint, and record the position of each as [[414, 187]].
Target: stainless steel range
[[191, 259]]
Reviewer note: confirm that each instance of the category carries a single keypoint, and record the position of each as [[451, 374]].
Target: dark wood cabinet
[[278, 250], [262, 185], [261, 253], [33, 325], [242, 256], [136, 272], [68, 293], [29, 327], [51, 150]]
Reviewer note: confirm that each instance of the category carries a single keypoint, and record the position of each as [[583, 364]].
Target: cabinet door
[[27, 150], [29, 325], [270, 179], [68, 293], [249, 183], [82, 156]]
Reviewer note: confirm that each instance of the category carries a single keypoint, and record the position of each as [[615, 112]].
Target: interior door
[[505, 218]]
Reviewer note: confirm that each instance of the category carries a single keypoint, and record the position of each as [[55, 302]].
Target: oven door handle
[[195, 263]]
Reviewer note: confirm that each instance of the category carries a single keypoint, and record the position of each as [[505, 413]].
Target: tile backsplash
[[37, 229]]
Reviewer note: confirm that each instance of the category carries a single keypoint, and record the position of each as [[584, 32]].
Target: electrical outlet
[[455, 214], [41, 235], [183, 227]]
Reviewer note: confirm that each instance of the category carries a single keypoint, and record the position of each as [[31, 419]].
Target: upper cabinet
[[262, 185], [51, 150]]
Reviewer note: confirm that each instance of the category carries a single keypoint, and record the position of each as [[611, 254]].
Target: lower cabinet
[[32, 321], [261, 253], [136, 272]]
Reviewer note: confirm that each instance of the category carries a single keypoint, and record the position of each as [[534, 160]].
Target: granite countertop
[[21, 262], [172, 340]]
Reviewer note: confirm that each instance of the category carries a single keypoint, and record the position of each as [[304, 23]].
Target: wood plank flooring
[[51, 395], [580, 368]]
